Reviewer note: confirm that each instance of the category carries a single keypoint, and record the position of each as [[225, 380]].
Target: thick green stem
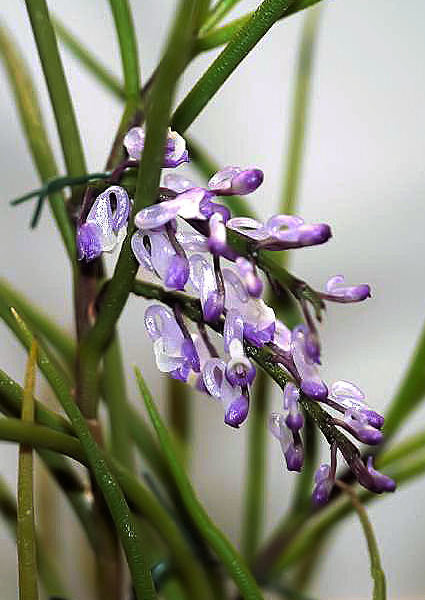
[[244, 40], [35, 131]]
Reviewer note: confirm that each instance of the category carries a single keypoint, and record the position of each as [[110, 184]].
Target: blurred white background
[[364, 174]]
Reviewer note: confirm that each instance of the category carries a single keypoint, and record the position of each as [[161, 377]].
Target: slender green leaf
[[220, 36], [128, 47], [27, 561], [34, 130], [378, 575], [86, 58], [58, 89], [218, 542], [217, 14]]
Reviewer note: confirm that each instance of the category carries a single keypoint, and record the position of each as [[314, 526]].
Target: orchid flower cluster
[[182, 241]]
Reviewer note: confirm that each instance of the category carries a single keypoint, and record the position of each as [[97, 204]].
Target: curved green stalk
[[378, 575], [107, 483], [128, 48], [25, 530], [236, 50], [92, 64], [222, 35], [218, 542], [35, 131], [58, 89], [41, 323]]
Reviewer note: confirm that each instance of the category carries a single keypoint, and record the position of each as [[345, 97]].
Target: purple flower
[[324, 482], [239, 370], [281, 232], [336, 291], [202, 278], [234, 180], [293, 416], [259, 319], [186, 205], [234, 401], [155, 253], [253, 283], [381, 482], [311, 384], [105, 227], [347, 396], [357, 424], [217, 238], [174, 353], [175, 147], [290, 443]]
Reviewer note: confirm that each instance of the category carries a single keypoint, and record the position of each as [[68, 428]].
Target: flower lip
[[237, 412]]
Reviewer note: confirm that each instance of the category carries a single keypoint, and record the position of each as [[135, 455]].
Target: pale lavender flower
[[217, 238], [105, 226], [235, 403], [239, 369], [175, 354], [232, 181], [259, 319], [310, 381], [185, 205], [357, 424], [345, 396], [293, 416], [247, 272], [324, 482], [336, 291], [290, 443], [175, 148], [203, 279]]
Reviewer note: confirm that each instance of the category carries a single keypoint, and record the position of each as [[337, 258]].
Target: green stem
[[218, 542], [255, 490], [410, 392], [378, 575], [56, 83], [157, 120], [25, 533], [48, 570], [42, 324], [179, 412], [115, 395], [92, 64], [244, 40], [217, 14], [107, 483], [220, 36], [128, 48], [299, 112], [35, 131]]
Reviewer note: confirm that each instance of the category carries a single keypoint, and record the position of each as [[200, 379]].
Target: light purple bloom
[[174, 353], [324, 482], [259, 319], [186, 205], [217, 238], [293, 417], [155, 252], [291, 444], [105, 227], [344, 396], [311, 383], [239, 369], [234, 403], [358, 425], [175, 148], [252, 281], [234, 180], [381, 482], [338, 292], [202, 278]]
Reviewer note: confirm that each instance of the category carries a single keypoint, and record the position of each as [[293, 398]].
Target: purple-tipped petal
[[134, 142], [234, 180], [294, 457], [381, 482], [178, 273], [316, 390], [248, 227], [217, 241], [252, 282], [338, 292], [213, 307], [189, 352], [295, 421], [89, 244], [237, 412], [240, 372]]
